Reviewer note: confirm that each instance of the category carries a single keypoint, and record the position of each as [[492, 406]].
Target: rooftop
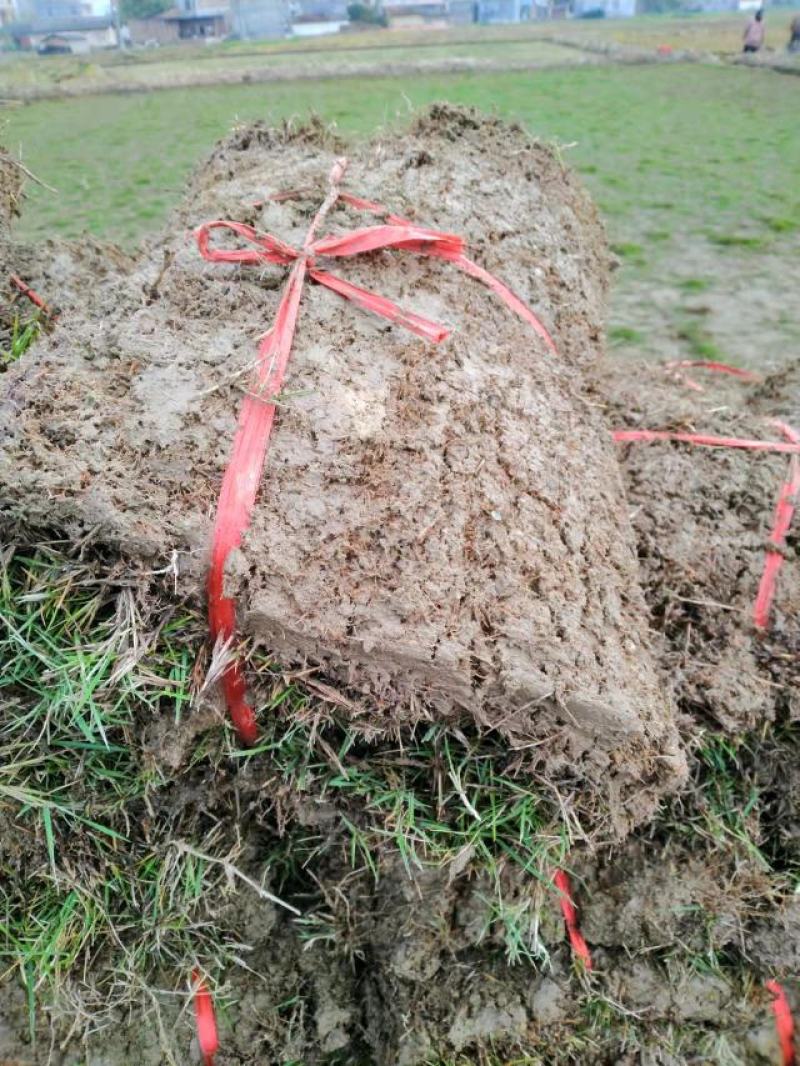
[[74, 23]]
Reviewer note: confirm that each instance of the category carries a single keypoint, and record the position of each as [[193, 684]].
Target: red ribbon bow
[[243, 474], [269, 249]]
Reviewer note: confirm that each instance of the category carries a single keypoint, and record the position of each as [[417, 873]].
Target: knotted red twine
[[242, 476]]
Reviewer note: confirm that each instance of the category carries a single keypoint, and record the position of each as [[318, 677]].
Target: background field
[[720, 34], [699, 193]]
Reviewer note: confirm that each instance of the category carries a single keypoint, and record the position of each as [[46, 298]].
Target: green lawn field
[[689, 147], [694, 168]]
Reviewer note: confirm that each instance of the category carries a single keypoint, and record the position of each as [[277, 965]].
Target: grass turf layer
[[120, 862], [108, 872]]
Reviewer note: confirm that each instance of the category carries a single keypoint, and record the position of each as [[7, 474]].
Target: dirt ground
[[747, 312], [686, 919]]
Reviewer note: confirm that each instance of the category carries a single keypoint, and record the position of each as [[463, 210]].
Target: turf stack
[[702, 520], [442, 532], [420, 856]]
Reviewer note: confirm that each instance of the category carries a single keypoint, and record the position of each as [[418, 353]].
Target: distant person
[[754, 33], [794, 30]]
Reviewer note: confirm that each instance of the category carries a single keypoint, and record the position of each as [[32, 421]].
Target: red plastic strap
[[207, 1035], [710, 364], [579, 946], [649, 435], [784, 1023], [784, 513], [33, 296]]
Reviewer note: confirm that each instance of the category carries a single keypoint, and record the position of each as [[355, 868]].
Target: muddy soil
[[441, 531]]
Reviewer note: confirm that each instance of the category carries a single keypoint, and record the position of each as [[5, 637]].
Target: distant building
[[611, 9], [193, 19], [197, 24], [78, 34], [204, 19], [152, 31], [259, 19], [312, 18]]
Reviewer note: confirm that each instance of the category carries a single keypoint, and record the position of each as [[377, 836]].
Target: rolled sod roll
[[441, 531]]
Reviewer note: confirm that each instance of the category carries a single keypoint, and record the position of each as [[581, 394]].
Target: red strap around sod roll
[[579, 946], [784, 1023], [206, 1022]]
